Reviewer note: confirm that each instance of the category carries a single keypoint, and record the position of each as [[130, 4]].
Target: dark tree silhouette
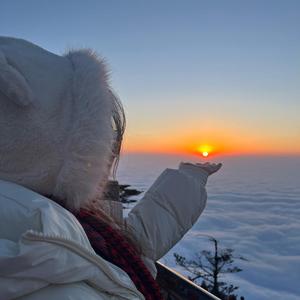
[[210, 266], [126, 192]]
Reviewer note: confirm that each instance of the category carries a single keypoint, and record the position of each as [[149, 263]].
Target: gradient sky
[[222, 73]]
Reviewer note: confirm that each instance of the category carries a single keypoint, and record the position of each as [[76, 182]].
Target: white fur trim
[[88, 151]]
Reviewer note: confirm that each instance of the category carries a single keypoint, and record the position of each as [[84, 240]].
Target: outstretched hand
[[210, 168]]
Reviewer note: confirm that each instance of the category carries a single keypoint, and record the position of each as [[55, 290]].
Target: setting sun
[[205, 150]]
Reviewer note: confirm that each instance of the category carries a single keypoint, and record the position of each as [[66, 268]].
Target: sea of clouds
[[253, 207]]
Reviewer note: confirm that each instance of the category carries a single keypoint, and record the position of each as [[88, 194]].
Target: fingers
[[210, 167]]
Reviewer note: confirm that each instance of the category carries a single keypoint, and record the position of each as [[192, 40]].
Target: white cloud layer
[[254, 208]]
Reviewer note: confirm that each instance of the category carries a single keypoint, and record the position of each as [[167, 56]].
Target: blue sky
[[225, 69]]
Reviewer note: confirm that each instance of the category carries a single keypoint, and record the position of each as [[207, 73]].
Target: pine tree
[[210, 266]]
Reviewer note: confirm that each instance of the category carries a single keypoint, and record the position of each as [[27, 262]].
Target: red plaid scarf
[[110, 244]]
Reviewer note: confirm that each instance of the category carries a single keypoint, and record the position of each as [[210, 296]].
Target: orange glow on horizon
[[225, 152], [215, 142]]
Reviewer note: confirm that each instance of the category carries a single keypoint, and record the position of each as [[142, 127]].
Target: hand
[[199, 171], [210, 168]]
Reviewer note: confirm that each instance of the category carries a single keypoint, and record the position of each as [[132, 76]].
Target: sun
[[205, 150], [205, 153]]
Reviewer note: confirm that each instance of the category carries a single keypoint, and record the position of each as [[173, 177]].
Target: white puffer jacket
[[45, 254]]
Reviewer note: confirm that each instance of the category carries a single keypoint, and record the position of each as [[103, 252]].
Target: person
[[60, 137]]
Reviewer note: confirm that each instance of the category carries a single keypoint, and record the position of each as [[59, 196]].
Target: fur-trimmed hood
[[56, 133]]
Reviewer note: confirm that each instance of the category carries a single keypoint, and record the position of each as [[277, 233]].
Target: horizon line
[[212, 155]]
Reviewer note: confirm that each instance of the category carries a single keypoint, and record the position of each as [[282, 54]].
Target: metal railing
[[177, 287]]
